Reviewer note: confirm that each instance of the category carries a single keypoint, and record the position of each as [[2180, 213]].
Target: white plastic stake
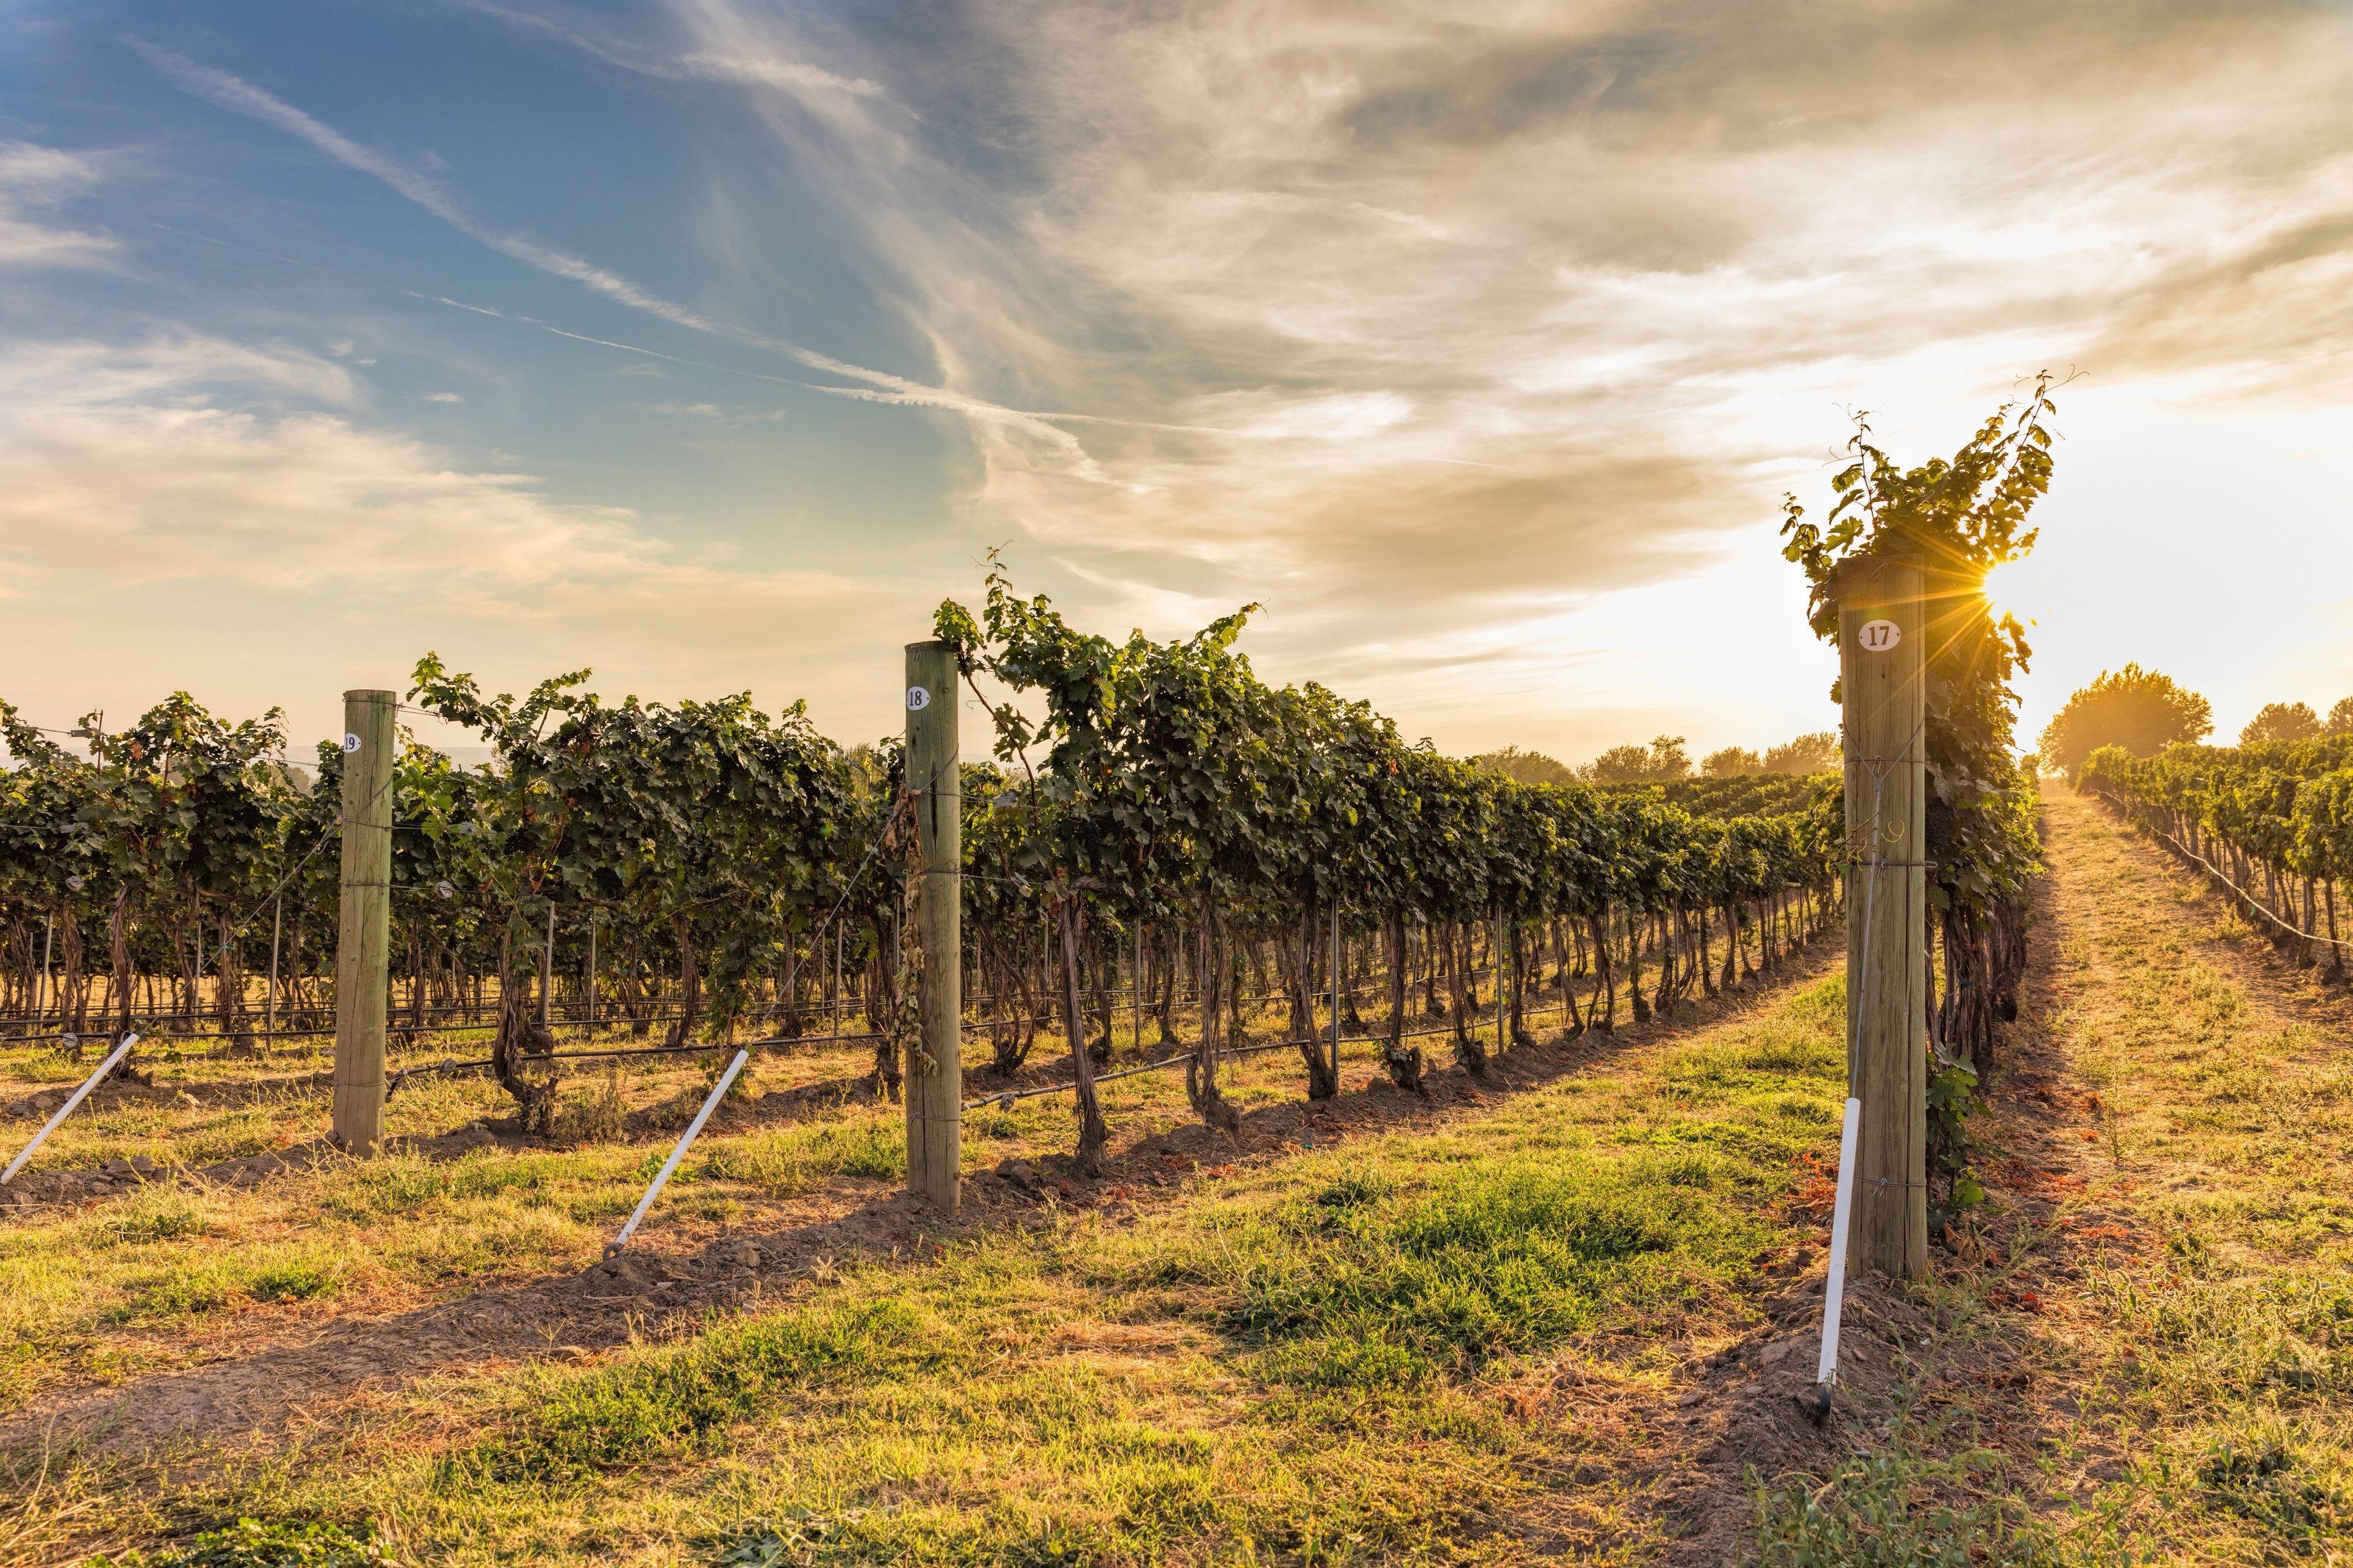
[[1834, 1286], [67, 1110], [662, 1177]]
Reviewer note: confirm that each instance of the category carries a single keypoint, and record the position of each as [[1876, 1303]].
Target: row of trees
[[1666, 759], [2276, 817], [2297, 721], [2143, 712]]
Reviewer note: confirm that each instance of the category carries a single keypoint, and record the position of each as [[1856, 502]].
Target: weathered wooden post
[[362, 939], [1879, 656], [936, 1076]]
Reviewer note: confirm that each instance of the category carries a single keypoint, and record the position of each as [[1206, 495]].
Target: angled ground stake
[[686, 1139], [62, 1111]]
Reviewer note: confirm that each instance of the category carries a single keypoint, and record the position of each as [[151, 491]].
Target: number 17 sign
[[1878, 636]]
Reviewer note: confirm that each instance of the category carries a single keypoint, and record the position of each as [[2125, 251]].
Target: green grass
[[1900, 1505], [785, 1161], [683, 1398], [185, 1286], [249, 1543], [1510, 1255]]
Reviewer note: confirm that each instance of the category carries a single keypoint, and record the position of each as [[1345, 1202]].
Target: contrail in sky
[[242, 97]]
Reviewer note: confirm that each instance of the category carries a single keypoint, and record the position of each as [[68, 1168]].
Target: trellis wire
[[2257, 904]]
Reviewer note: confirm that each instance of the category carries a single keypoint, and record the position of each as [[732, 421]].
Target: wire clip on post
[[1834, 1284], [67, 1110], [662, 1177]]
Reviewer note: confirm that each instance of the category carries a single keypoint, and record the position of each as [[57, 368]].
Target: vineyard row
[[2271, 821]]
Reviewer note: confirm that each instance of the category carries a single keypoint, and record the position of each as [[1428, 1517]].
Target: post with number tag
[[1880, 682], [362, 937], [935, 1075]]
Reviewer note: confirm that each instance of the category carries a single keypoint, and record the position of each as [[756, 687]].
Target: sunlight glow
[[2018, 588]]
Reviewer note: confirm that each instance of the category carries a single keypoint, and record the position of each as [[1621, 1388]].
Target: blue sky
[[708, 344]]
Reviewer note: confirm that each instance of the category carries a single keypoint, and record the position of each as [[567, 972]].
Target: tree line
[[1667, 760], [2143, 712]]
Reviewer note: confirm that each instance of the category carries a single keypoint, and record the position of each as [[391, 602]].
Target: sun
[[2015, 588]]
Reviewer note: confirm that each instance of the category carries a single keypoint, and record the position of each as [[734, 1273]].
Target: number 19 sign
[[1878, 636]]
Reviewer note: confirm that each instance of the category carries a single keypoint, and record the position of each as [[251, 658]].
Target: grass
[[1512, 1255], [683, 1399], [1898, 1506], [1305, 1359]]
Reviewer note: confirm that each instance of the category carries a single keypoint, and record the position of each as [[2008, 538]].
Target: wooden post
[[364, 936], [277, 927], [1881, 646], [935, 1087], [547, 966]]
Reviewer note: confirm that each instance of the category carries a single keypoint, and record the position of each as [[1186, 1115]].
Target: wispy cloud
[[679, 408], [223, 492], [759, 68], [188, 457], [242, 97], [32, 178], [1034, 434]]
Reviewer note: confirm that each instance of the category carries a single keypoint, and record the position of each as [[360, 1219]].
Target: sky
[[709, 344]]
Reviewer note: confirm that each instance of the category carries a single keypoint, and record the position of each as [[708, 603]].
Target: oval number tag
[[350, 744], [917, 700], [1878, 636]]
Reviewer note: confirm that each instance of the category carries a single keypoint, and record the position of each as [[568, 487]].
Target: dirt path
[[2130, 1352]]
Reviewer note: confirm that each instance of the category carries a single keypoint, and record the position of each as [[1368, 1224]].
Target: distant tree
[[1665, 758], [1814, 754], [2280, 722], [2140, 709], [1525, 767], [2341, 717]]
